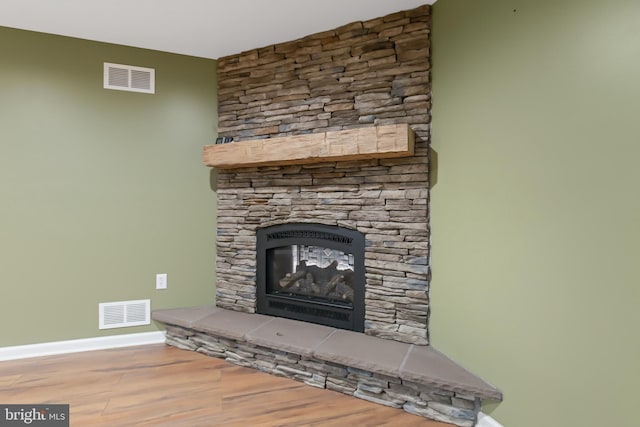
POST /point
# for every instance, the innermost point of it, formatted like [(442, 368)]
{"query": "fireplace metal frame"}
[(338, 315)]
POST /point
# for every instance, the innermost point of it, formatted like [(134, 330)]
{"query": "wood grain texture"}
[(157, 385), (355, 144)]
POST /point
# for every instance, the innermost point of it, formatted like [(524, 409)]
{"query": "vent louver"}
[(308, 234), (124, 313), (129, 78)]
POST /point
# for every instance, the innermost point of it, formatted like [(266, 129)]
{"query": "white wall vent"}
[(124, 313), (129, 78)]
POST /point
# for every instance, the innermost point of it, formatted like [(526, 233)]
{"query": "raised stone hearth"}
[(416, 378)]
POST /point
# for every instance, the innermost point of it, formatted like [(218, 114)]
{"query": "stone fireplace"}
[(323, 217), (362, 76)]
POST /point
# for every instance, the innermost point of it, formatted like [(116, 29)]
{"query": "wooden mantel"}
[(354, 144)]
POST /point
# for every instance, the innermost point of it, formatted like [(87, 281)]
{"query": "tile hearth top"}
[(288, 335), (416, 363), (364, 352)]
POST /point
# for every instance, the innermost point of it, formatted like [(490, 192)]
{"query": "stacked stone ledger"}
[(362, 74)]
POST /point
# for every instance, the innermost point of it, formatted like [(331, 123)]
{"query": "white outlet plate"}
[(161, 281)]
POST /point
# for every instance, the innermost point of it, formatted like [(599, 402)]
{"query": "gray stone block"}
[(426, 365), (231, 324), (289, 335), (361, 351)]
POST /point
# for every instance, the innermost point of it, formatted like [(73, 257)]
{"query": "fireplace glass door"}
[(312, 272)]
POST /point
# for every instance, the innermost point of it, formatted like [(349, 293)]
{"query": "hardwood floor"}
[(157, 385)]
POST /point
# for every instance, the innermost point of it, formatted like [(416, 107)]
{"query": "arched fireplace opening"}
[(311, 272)]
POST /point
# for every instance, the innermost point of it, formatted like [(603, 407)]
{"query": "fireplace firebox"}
[(311, 272)]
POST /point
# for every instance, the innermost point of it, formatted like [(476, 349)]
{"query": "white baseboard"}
[(74, 346), (485, 420)]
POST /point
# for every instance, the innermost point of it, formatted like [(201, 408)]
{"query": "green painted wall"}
[(100, 189), (536, 208)]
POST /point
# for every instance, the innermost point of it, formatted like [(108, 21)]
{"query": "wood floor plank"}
[(158, 385)]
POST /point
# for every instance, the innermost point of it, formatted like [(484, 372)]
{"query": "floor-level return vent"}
[(124, 313), (130, 78)]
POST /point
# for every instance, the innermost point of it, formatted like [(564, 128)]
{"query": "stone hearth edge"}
[(417, 378)]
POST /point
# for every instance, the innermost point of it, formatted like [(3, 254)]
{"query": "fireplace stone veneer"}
[(385, 200), (365, 74)]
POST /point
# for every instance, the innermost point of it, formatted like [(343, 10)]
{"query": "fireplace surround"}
[(383, 199), (311, 272), (316, 124)]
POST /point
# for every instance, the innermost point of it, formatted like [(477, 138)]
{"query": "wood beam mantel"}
[(354, 144)]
